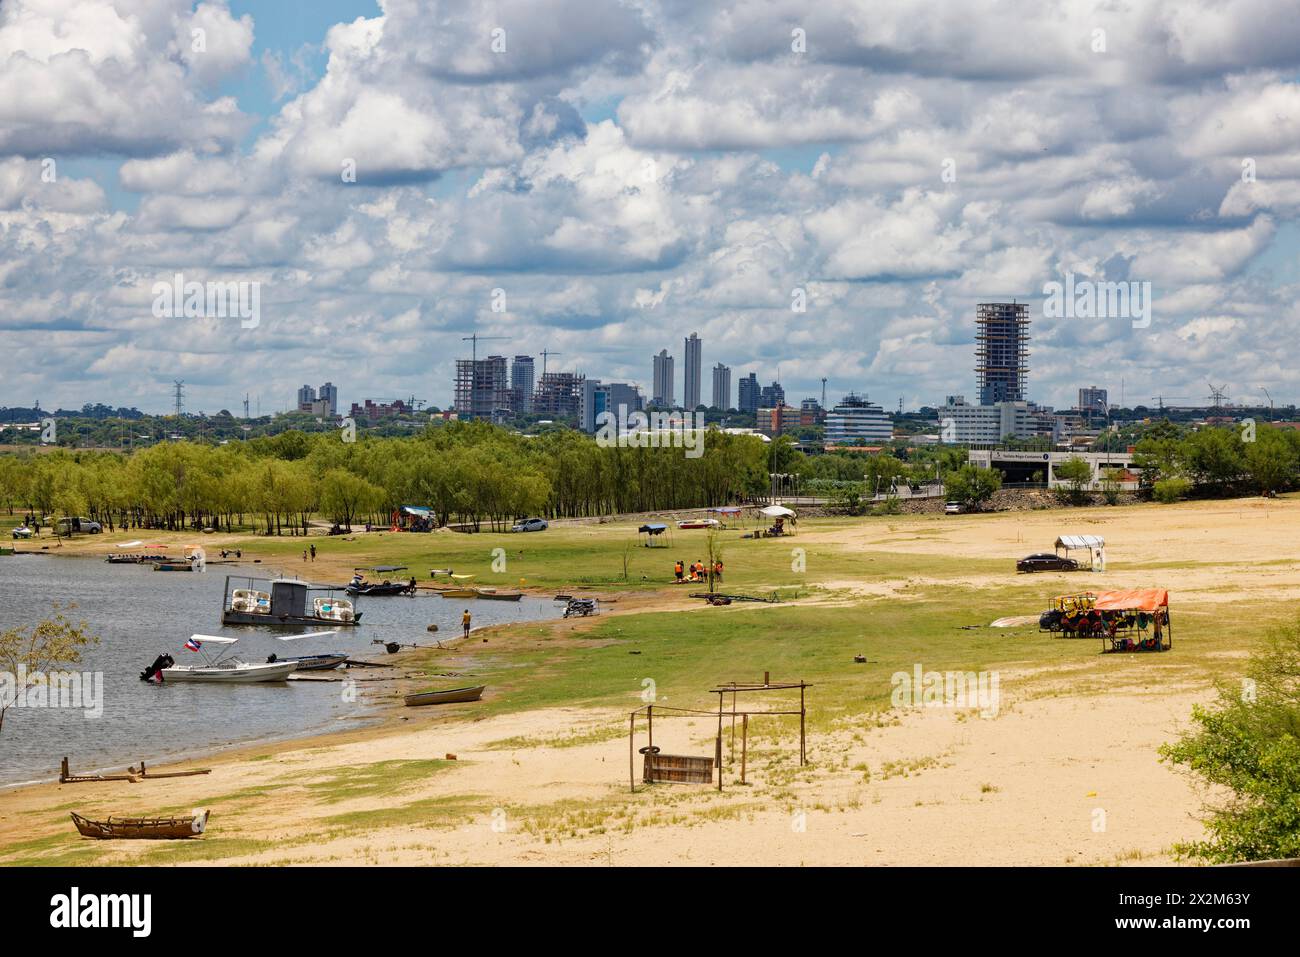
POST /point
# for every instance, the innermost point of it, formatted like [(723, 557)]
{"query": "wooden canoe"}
[(458, 593), (450, 696), (142, 828), (499, 595)]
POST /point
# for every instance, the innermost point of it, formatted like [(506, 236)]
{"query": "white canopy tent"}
[(1095, 544), (777, 511)]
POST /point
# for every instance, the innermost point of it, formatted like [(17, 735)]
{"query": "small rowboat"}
[(173, 567), (459, 593), (316, 662), (499, 595), (444, 697), (145, 828)]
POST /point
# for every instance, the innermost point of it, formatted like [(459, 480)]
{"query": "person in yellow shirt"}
[(465, 619)]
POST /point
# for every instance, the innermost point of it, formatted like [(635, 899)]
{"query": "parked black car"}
[(1046, 562)]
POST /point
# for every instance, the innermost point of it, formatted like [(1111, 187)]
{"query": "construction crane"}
[(545, 353), (474, 339), (1270, 402)]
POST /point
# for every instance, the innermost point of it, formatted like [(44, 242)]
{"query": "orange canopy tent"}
[(1135, 599)]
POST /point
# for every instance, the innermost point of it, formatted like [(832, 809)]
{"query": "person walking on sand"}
[(304, 554), (313, 552), (465, 620)]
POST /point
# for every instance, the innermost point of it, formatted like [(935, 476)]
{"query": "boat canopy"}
[(379, 568), (652, 529), (1136, 599), (1080, 541), (420, 511), (215, 639), (777, 511), (133, 544)]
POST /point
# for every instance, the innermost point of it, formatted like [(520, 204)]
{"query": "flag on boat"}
[(193, 644)]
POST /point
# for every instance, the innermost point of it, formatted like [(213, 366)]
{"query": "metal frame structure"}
[(733, 688)]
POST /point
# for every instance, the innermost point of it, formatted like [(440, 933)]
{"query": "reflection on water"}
[(139, 614)]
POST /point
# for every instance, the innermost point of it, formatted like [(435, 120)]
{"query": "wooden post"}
[(717, 748), (733, 727), (803, 751), (631, 750), (744, 745), (63, 770), (650, 724)]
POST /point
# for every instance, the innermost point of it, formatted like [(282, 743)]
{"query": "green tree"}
[(1248, 744), (971, 486)]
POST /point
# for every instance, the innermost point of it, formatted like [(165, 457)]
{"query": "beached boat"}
[(142, 828), (450, 696), (317, 662), (459, 593), (700, 523), (173, 567), (284, 601), (495, 595)]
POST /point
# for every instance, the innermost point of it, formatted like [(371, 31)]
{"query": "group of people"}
[(697, 571)]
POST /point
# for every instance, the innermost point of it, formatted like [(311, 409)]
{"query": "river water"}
[(139, 613)]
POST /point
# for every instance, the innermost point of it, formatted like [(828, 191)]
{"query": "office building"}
[(619, 398), (749, 394), (772, 396), (329, 394), (1092, 401), (856, 420), (662, 393), (306, 396), (560, 395)]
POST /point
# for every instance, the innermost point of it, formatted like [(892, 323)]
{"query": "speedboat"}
[(225, 667), (284, 601), (231, 671)]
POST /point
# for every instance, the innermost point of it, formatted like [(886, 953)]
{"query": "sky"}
[(817, 189)]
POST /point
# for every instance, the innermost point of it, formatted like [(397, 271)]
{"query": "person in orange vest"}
[(699, 571), (717, 570), (678, 569)]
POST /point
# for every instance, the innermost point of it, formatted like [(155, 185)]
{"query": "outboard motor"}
[(159, 663)]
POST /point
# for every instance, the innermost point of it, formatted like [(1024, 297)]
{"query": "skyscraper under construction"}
[(1001, 351)]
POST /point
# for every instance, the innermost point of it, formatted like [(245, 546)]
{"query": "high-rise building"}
[(481, 387), (620, 398), (772, 396), (750, 395), (1092, 401), (1001, 351), (306, 396), (329, 393), (721, 387), (693, 373), (857, 419), (521, 382), (663, 380)]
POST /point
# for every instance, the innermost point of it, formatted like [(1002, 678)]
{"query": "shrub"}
[(1169, 490)]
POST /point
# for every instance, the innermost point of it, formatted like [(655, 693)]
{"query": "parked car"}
[(952, 508), (1046, 562), (530, 525), (73, 524)]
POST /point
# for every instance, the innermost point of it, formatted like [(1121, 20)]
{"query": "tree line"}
[(466, 472)]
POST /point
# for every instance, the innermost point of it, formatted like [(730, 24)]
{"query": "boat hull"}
[(500, 595), (155, 829), (451, 696), (317, 662), (251, 618), (247, 674), (459, 593)]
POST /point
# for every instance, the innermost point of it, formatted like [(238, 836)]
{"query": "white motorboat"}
[(225, 668)]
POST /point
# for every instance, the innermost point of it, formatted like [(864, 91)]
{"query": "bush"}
[(890, 506), (1170, 490), (1248, 742)]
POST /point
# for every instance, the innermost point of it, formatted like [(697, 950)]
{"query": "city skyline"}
[(602, 186)]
